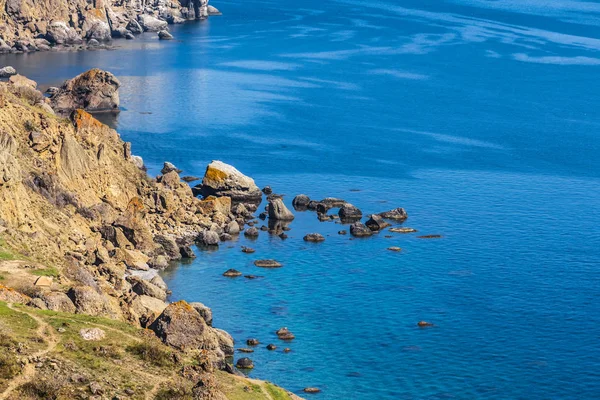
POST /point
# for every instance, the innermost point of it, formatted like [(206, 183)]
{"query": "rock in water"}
[(222, 179), (278, 211), (7, 71), (268, 264), (244, 363), (402, 230), (285, 334), (397, 214), (165, 35), (169, 167), (300, 202), (251, 232), (59, 33), (349, 212), (94, 90), (208, 238), (360, 230), (376, 223), (213, 11), (314, 237), (232, 273)]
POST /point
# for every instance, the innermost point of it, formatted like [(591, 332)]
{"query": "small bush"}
[(44, 388), (9, 365), (176, 390), (29, 94), (153, 352)]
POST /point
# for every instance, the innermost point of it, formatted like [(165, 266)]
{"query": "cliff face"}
[(31, 25)]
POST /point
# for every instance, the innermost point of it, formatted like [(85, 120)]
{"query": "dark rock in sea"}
[(264, 228), (312, 205), (285, 334), (267, 190), (397, 214), (360, 230), (323, 217), (342, 232), (251, 232), (244, 363), (252, 342), (424, 324), (429, 237), (376, 223), (187, 252), (322, 208), (262, 215), (247, 250), (271, 347), (252, 277), (232, 273), (283, 236), (349, 212), (402, 230), (246, 350), (268, 264), (287, 350), (397, 249), (388, 236), (190, 178), (165, 35), (168, 167), (278, 210), (312, 390), (314, 237), (134, 27), (208, 238), (333, 202), (300, 202), (251, 223), (225, 237)]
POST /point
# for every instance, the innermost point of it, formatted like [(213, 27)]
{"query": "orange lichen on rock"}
[(214, 174), (82, 119)]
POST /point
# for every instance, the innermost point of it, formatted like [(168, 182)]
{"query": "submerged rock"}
[(165, 35), (278, 211), (360, 230), (402, 230), (285, 334), (430, 237), (424, 324), (246, 350), (394, 248), (397, 214), (268, 264), (222, 179), (232, 273), (271, 347), (252, 342), (312, 390), (248, 250), (314, 237)]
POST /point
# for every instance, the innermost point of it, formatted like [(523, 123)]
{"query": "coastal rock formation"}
[(278, 211), (94, 90), (29, 26), (376, 223), (314, 237), (397, 214), (301, 202), (349, 212), (359, 229), (5, 72), (222, 179)]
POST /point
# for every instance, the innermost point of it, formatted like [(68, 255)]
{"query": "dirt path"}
[(43, 330)]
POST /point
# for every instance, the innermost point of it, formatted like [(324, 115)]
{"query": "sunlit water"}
[(480, 118)]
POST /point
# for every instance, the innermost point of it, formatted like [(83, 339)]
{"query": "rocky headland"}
[(34, 25)]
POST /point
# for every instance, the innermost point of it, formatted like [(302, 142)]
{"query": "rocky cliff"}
[(32, 25)]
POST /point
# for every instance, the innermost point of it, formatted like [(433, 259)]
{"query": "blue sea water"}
[(480, 118)]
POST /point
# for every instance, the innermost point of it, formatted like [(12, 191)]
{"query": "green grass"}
[(276, 393), (5, 253), (50, 271)]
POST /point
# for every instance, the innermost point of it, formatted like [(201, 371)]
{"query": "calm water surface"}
[(480, 118)]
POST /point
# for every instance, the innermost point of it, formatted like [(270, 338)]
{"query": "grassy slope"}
[(128, 362)]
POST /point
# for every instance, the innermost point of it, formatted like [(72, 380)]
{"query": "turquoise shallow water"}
[(480, 118)]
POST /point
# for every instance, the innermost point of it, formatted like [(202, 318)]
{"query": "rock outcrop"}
[(278, 211), (93, 91), (222, 179)]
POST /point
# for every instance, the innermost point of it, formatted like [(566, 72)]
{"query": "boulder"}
[(144, 287), (134, 27), (403, 230), (397, 214), (165, 35), (314, 237), (169, 167), (89, 301), (232, 273), (204, 312), (285, 334), (376, 223), (208, 238), (359, 229), (221, 179), (92, 334), (333, 202), (244, 363), (182, 327), (213, 11), (58, 32), (301, 202), (169, 246), (4, 47), (148, 308), (187, 252), (311, 390), (232, 228), (251, 232), (278, 211), (349, 212), (58, 301), (271, 347), (150, 23), (94, 90), (97, 30), (268, 264), (7, 71), (158, 281)]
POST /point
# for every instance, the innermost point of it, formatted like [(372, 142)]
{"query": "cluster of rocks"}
[(81, 24), (246, 363)]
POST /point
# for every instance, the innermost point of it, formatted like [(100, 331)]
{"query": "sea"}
[(480, 118)]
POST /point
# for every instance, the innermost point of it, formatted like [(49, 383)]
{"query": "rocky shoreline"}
[(59, 25)]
